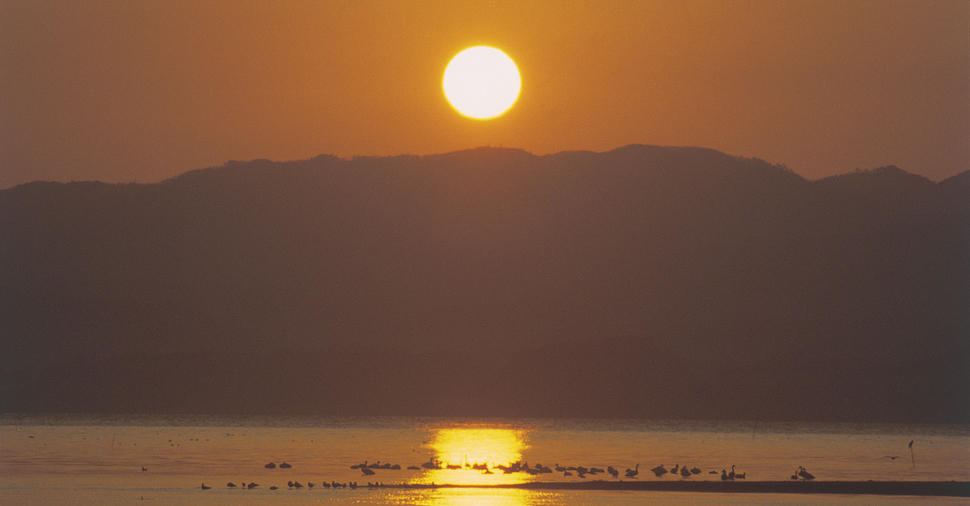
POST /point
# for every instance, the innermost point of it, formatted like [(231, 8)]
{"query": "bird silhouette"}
[(632, 473)]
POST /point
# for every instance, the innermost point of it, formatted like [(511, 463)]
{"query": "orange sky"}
[(144, 90)]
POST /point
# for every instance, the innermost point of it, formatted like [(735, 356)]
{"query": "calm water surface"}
[(98, 460)]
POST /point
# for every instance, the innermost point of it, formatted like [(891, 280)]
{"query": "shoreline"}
[(913, 488)]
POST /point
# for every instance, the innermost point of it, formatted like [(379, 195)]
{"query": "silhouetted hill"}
[(644, 281), (958, 185)]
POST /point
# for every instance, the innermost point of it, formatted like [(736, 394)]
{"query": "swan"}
[(632, 473)]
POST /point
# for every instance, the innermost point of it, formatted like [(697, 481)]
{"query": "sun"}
[(481, 82)]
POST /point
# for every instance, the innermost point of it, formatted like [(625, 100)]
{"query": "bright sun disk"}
[(481, 82)]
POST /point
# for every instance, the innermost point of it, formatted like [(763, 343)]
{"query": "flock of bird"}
[(580, 471), (433, 463), (369, 469), (293, 485)]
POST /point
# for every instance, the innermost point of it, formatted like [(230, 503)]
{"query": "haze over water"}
[(98, 460)]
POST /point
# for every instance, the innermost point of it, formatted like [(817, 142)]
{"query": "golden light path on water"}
[(472, 456), (472, 497)]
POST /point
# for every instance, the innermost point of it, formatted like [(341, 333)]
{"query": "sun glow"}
[(481, 82), (469, 456)]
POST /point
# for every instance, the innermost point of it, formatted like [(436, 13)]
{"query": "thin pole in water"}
[(911, 455)]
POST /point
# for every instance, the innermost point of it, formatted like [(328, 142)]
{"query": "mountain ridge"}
[(479, 149), (716, 266)]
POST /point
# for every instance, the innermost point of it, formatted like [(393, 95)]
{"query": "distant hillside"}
[(644, 281)]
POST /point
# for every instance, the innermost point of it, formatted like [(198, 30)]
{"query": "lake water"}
[(98, 460)]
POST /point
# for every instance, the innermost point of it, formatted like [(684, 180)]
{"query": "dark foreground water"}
[(99, 460)]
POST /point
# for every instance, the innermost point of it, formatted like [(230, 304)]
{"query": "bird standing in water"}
[(912, 456)]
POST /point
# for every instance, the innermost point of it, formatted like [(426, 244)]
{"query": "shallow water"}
[(98, 460)]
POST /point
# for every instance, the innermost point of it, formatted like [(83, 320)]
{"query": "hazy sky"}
[(144, 90)]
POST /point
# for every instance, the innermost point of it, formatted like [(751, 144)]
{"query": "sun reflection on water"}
[(470, 497), (467, 456)]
